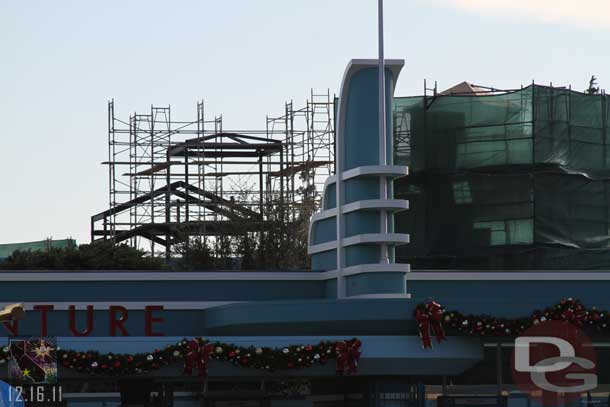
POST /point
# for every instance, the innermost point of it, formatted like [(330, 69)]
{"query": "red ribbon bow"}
[(348, 353), (197, 355), (430, 317), (576, 315)]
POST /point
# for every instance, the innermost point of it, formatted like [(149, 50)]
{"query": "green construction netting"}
[(517, 180), (534, 125), (42, 245)]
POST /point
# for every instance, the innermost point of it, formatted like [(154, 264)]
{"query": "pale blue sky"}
[(62, 60)]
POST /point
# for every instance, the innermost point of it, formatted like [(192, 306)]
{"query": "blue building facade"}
[(277, 310), (353, 235)]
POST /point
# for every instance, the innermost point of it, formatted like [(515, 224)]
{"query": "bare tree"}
[(593, 89)]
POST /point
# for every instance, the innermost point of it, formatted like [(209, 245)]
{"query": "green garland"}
[(483, 325), (263, 358)]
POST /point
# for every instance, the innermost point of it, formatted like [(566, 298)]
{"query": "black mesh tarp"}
[(518, 180)]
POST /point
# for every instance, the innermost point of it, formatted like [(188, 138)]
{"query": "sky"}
[(61, 61)]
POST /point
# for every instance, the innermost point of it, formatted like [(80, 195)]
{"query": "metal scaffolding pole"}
[(224, 177)]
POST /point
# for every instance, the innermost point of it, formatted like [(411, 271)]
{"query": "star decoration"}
[(43, 351)]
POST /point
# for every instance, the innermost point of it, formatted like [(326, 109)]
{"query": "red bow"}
[(575, 315), (430, 316), (197, 355), (348, 353)]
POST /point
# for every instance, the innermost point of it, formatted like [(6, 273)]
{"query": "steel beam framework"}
[(173, 180)]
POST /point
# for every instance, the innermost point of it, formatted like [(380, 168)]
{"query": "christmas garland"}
[(196, 353), (431, 317)]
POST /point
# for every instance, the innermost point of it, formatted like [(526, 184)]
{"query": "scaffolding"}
[(514, 179), (170, 181)]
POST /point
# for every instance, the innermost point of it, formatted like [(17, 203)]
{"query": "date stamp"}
[(28, 395)]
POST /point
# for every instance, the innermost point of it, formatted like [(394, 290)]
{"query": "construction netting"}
[(517, 180), (41, 245)]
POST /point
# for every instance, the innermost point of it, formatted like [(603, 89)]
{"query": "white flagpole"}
[(382, 132)]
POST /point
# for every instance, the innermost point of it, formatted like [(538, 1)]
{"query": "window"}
[(461, 192), (508, 232), (497, 231)]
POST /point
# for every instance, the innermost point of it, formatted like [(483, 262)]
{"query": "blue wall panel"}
[(509, 298), (159, 290), (375, 283), (362, 254), (361, 222), (324, 230), (330, 196), (297, 306), (324, 260), (361, 121), (359, 189)]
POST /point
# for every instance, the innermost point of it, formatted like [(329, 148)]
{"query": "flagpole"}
[(383, 191)]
